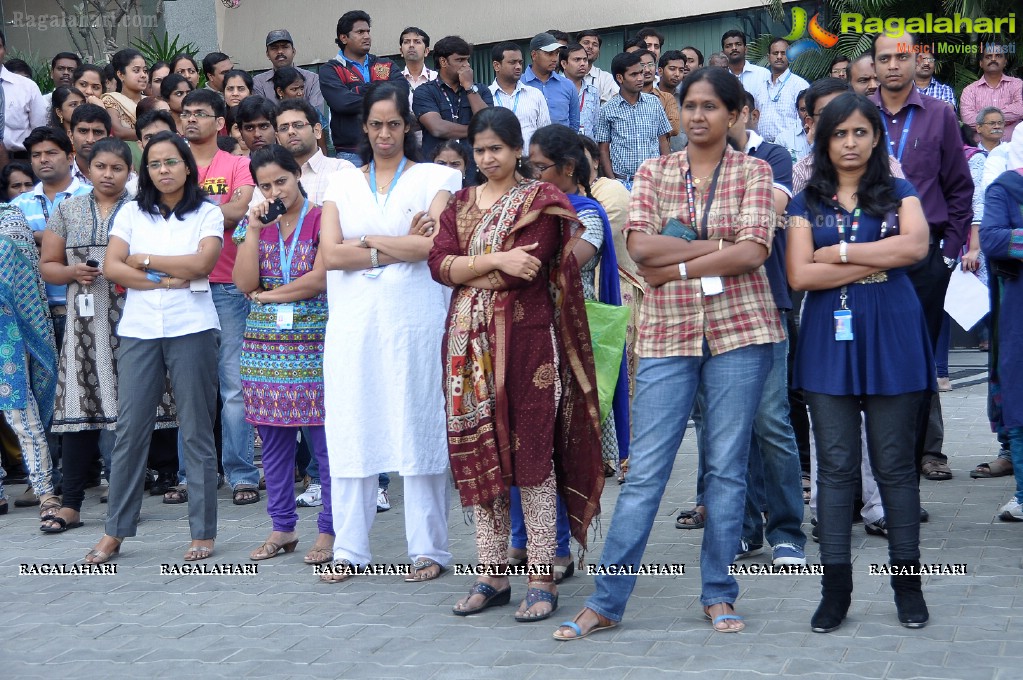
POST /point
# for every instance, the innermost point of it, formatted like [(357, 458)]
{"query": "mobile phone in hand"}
[(276, 210), (92, 263)]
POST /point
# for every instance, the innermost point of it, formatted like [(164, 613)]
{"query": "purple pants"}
[(279, 446)]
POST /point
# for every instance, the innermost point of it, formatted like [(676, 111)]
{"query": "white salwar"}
[(382, 371)]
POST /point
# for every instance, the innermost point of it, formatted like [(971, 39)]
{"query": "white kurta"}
[(382, 356)]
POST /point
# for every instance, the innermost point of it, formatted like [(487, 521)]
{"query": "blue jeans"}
[(731, 384), (1016, 447), (944, 343), (353, 158), (233, 309)]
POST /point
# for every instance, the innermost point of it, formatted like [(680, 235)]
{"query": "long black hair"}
[(121, 61), (561, 144), (876, 193), (275, 153), (505, 124), (383, 91), (149, 196), (60, 96)]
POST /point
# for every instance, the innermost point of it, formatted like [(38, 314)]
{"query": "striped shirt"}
[(632, 131), (529, 106), (677, 318), (1007, 97), (939, 90)]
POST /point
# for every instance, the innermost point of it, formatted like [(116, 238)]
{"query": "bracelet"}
[(374, 258), (682, 270), (842, 253), (472, 265), (721, 243), (362, 241), (255, 298)]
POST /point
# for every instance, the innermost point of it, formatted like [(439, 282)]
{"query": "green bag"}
[(608, 324)]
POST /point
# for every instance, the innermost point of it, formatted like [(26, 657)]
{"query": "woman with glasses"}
[(162, 247)]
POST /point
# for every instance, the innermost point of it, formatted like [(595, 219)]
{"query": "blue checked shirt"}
[(632, 131), (36, 207), (940, 91)]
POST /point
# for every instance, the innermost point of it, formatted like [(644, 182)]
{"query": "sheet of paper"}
[(967, 300)]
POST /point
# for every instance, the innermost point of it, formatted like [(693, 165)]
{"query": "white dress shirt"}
[(603, 81), (24, 108), (529, 106), (776, 100), (751, 74), (161, 313)]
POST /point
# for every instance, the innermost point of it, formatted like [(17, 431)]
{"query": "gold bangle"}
[(472, 265), (721, 243)]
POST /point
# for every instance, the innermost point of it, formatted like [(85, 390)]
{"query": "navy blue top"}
[(781, 167), (890, 352)]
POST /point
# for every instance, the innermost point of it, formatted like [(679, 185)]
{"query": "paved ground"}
[(282, 623)]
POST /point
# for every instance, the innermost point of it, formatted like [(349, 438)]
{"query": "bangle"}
[(721, 243), (842, 252), (374, 258), (255, 298), (682, 270), (472, 265)]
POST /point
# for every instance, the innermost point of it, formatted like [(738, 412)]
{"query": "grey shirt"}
[(262, 84)]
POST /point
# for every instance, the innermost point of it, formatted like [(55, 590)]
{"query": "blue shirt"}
[(632, 131), (589, 109), (37, 208), (561, 95)]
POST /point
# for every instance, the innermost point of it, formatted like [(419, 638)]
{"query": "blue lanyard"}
[(390, 189), (287, 256), (778, 94), (515, 102), (905, 134)]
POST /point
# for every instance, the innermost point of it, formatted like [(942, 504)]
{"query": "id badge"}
[(86, 305), (372, 273), (843, 324), (712, 285), (285, 317)]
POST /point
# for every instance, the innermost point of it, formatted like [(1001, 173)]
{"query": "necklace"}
[(701, 180)]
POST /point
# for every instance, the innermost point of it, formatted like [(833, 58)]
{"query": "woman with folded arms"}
[(162, 247)]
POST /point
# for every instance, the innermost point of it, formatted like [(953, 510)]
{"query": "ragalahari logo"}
[(819, 36)]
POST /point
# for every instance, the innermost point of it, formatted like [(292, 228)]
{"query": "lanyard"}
[(582, 100), (42, 204), (855, 223), (782, 87), (902, 139), (691, 198), (390, 189), (514, 106), (287, 256), (458, 101)]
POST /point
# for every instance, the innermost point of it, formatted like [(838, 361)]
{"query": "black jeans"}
[(890, 436)]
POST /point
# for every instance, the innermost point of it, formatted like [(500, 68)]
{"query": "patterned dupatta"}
[(478, 367), (23, 293)]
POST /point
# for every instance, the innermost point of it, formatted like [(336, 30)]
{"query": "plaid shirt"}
[(676, 318), (1007, 98), (939, 91), (632, 131)]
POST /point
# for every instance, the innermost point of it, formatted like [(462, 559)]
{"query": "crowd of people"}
[(371, 269)]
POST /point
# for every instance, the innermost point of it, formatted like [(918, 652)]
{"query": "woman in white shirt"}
[(162, 246)]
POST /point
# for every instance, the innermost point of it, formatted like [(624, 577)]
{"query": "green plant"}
[(40, 68), (166, 49)]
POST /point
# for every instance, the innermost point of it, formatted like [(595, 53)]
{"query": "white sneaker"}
[(383, 502), (1010, 512), (310, 498)]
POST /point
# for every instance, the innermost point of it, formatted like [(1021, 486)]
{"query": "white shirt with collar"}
[(776, 100), (24, 108), (603, 81), (529, 106), (426, 76), (751, 74)]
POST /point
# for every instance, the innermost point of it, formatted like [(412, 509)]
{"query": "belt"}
[(878, 277), (58, 310)]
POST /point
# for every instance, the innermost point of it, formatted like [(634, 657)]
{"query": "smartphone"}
[(92, 263), (276, 210), (675, 228)]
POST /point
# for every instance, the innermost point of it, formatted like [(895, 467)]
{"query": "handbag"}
[(607, 324)]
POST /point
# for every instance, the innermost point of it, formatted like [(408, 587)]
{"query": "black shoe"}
[(924, 515), (878, 528), (163, 483), (836, 596), (815, 535), (909, 598)]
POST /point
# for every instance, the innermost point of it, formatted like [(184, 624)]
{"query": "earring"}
[(731, 124)]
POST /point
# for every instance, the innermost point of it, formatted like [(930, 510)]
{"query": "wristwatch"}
[(145, 262), (949, 262), (475, 89), (682, 270)]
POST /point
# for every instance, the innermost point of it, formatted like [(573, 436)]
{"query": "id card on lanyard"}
[(286, 312), (711, 285), (902, 137)]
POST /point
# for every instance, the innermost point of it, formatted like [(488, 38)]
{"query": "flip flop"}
[(727, 617), (423, 564), (996, 468), (64, 525), (699, 519), (579, 634), (536, 596)]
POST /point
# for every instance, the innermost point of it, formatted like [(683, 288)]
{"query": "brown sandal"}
[(95, 556), (270, 549), (319, 555)]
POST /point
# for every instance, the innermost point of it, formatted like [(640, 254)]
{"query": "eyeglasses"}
[(297, 127), (648, 66), (994, 123), (252, 127), (171, 163), (199, 115), (835, 72), (543, 168), (926, 60)]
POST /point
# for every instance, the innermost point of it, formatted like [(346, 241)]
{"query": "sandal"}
[(95, 556), (561, 572), (177, 495), (494, 598), (318, 555), (999, 467), (535, 596), (198, 552), (246, 494), (623, 469), (270, 549), (574, 626), (423, 564), (338, 571), (48, 507), (62, 525), (697, 519), (517, 560), (724, 617), (936, 471), (806, 488)]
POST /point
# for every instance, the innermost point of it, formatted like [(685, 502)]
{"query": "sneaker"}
[(786, 554), (310, 498), (383, 502), (944, 385), (1011, 511), (878, 528), (746, 549)]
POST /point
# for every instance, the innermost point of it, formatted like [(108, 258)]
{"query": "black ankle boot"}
[(836, 592), (909, 598)]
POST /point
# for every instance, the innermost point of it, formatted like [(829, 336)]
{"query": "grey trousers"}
[(191, 361)]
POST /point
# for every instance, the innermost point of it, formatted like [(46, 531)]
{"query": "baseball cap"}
[(278, 35), (545, 42)]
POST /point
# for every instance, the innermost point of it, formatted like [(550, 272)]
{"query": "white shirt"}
[(24, 108), (776, 100), (161, 313), (751, 73), (529, 106), (603, 81)]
